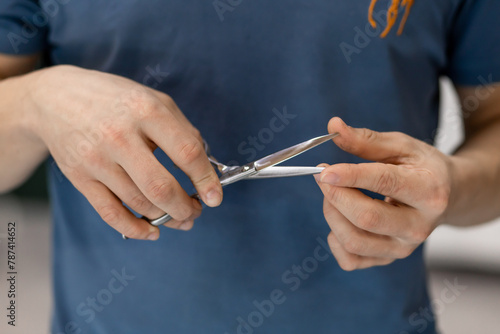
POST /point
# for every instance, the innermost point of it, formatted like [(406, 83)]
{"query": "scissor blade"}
[(286, 171), (291, 152)]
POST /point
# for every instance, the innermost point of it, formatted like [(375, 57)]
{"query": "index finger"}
[(179, 142)]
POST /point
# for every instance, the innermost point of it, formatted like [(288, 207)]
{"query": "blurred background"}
[(469, 257)]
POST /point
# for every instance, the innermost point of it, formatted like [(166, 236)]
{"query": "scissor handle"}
[(155, 222), (161, 220)]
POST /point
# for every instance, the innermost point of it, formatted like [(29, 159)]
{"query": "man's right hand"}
[(102, 129)]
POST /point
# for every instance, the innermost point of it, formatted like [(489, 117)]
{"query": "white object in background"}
[(472, 248)]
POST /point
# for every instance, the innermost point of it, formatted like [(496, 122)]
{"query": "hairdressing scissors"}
[(259, 169)]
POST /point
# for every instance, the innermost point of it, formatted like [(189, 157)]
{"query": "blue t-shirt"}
[(255, 77)]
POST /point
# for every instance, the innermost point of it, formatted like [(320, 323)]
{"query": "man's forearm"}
[(20, 150), (476, 164)]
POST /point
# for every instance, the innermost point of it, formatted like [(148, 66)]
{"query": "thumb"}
[(388, 147)]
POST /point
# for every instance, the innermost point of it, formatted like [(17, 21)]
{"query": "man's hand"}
[(102, 130), (415, 178)]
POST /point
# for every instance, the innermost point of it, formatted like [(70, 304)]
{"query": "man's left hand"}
[(414, 177)]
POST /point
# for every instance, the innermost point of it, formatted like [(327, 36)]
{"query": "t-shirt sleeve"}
[(23, 27), (474, 44)]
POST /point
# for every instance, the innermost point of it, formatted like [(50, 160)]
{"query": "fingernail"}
[(186, 226), (213, 198), (330, 178), (317, 177), (153, 236)]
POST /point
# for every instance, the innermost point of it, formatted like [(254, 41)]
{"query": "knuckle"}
[(168, 101), (408, 142), (160, 190), (184, 213), (140, 203), (403, 252), (148, 111), (347, 265), (383, 262), (93, 158), (369, 135), (162, 103), (369, 219), (352, 173), (140, 104), (419, 235), (387, 183), (135, 98), (327, 210), (110, 214), (353, 244), (345, 145), (209, 178), (185, 226), (77, 175), (190, 152), (196, 214), (132, 231), (331, 240), (439, 199), (388, 262), (115, 134), (334, 194)]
